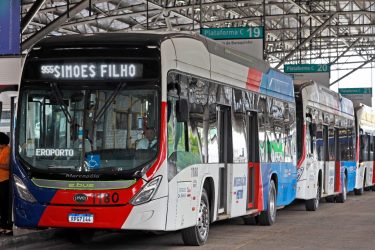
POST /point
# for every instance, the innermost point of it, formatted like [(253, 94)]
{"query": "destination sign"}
[(91, 71)]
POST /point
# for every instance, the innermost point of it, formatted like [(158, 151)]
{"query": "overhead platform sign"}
[(302, 73), (246, 39), (357, 95), (10, 20)]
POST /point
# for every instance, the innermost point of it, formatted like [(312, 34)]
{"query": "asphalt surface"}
[(334, 226)]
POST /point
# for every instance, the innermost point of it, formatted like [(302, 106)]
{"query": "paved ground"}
[(334, 226)]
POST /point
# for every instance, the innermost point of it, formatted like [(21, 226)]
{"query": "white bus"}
[(326, 145), (365, 149), (224, 123)]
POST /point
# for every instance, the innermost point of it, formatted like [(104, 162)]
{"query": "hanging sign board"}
[(358, 95), (302, 73), (246, 39)]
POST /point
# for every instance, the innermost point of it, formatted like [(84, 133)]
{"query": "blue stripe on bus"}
[(277, 84), (28, 214), (286, 182), (350, 167)]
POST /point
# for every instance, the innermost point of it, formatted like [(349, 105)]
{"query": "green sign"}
[(306, 68), (233, 33), (355, 91)]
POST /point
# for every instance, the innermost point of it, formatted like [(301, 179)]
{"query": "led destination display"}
[(91, 71)]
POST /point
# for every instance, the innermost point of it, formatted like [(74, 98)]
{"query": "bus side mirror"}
[(182, 110)]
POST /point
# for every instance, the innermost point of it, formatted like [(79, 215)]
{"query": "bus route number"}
[(106, 198)]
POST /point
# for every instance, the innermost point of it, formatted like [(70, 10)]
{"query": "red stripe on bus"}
[(250, 188), (303, 155), (337, 176), (254, 78), (258, 187), (163, 140), (103, 217)]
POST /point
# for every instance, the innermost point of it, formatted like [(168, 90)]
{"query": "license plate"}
[(81, 218)]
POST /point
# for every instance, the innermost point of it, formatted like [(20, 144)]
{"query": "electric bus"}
[(224, 124), (326, 145), (365, 149)]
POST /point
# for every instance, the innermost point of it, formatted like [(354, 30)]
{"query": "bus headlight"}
[(147, 192), (22, 190)]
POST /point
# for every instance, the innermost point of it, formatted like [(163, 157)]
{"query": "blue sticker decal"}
[(239, 194), (93, 161)]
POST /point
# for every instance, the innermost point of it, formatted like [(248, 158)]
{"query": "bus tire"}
[(331, 199), (198, 234), (268, 217), (373, 188), (341, 198), (313, 204), (250, 220)]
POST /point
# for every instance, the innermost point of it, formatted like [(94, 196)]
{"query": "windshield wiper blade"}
[(60, 100), (60, 167), (108, 102)]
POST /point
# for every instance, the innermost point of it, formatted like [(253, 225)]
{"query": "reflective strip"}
[(83, 185)]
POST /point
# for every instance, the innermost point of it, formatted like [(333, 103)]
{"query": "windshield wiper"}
[(108, 102), (60, 167), (60, 100)]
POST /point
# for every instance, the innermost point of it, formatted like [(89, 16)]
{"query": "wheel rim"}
[(272, 204), (203, 220)]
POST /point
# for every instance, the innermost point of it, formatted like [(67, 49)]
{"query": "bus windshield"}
[(106, 129)]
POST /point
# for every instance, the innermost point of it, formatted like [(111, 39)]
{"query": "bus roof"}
[(325, 98), (366, 117), (272, 82)]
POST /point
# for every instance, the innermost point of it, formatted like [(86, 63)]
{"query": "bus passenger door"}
[(225, 156), (337, 162), (253, 184), (329, 159)]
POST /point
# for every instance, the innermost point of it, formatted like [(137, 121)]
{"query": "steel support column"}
[(348, 48), (31, 13)]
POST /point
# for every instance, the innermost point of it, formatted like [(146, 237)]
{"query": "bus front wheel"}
[(198, 234)]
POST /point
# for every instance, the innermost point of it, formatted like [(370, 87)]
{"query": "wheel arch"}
[(274, 178), (209, 186), (320, 177), (364, 177)]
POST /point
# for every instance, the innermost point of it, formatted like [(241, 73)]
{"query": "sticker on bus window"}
[(93, 161), (57, 152)]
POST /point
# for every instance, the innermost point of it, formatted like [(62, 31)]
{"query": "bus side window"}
[(309, 148), (319, 143), (262, 123)]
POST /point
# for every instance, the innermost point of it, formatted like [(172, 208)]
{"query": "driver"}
[(149, 141)]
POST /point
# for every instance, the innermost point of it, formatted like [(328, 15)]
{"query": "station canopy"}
[(336, 32)]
